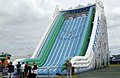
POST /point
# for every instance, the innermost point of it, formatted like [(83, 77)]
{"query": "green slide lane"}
[(40, 61), (51, 42), (87, 34), (52, 32)]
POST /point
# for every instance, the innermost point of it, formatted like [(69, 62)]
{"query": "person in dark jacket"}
[(29, 72), (1, 69), (34, 70), (10, 70), (18, 66)]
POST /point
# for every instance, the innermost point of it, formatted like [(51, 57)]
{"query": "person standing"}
[(10, 70), (26, 69), (29, 72), (1, 69), (34, 70), (22, 70), (69, 68), (18, 66)]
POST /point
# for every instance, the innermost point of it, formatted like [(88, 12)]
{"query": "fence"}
[(56, 67), (113, 71)]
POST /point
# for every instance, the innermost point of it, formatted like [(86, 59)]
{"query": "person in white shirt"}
[(22, 70)]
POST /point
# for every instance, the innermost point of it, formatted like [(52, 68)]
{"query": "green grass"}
[(113, 71)]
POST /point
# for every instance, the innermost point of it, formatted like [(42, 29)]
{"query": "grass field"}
[(113, 71)]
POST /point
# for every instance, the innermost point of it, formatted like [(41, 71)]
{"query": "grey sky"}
[(23, 22)]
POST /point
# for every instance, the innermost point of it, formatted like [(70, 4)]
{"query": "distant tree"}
[(116, 56)]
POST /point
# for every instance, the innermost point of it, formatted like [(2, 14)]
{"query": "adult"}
[(34, 70), (18, 66), (1, 69), (22, 70), (29, 72), (26, 69), (10, 70), (69, 68)]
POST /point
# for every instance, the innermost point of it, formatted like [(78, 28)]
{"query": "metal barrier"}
[(78, 70), (48, 69), (106, 72), (55, 67), (49, 76)]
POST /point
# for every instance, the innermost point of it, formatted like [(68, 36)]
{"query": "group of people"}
[(27, 71), (23, 70)]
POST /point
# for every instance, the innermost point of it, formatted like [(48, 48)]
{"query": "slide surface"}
[(69, 42), (43, 54), (65, 40)]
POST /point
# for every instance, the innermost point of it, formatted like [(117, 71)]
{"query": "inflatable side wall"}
[(97, 54)]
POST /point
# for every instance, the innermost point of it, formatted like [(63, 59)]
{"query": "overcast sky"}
[(23, 23)]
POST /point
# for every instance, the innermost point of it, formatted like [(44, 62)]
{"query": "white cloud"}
[(20, 11), (116, 11), (113, 17), (27, 20), (19, 37), (23, 23)]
